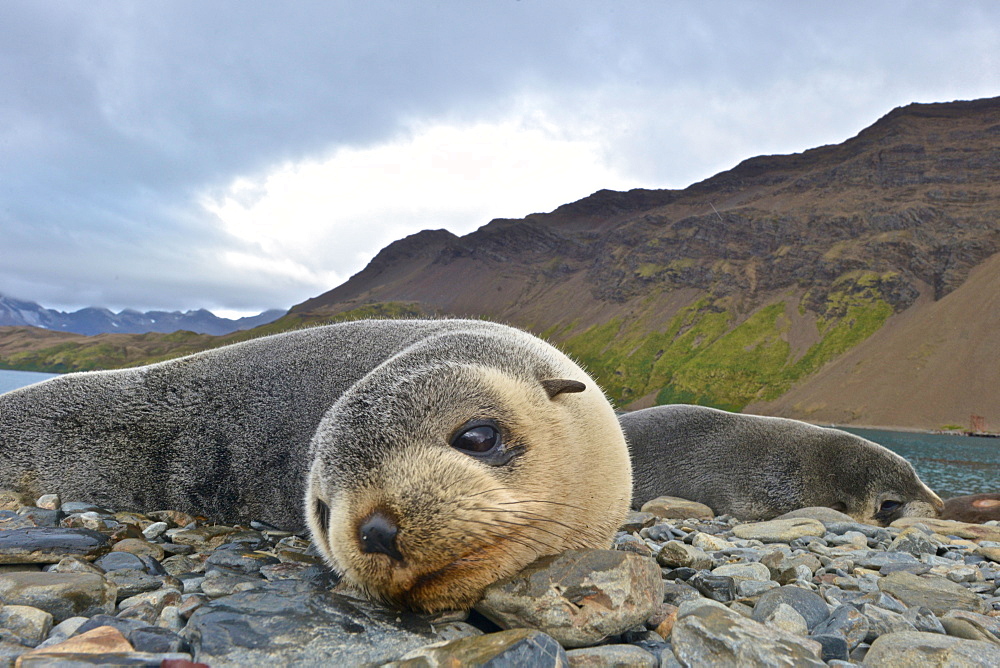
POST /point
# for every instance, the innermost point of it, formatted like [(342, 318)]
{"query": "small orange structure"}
[(977, 424)]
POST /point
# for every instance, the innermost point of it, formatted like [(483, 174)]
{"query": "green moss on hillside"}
[(705, 356)]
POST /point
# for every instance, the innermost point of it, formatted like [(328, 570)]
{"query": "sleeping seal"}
[(434, 457), (757, 468)]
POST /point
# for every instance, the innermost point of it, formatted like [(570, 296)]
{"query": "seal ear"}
[(556, 386)]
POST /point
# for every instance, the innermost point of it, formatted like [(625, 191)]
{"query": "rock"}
[(673, 507), (612, 655), (675, 554), (156, 640), (49, 502), (238, 561), (289, 622), (516, 647), (155, 530), (778, 563), (63, 630), (114, 561), (579, 597), (101, 640), (924, 620), (637, 521), (709, 634), (675, 593), (122, 625), (834, 647), (913, 649), (779, 531), (140, 548), (715, 587), (819, 513), (952, 528), (218, 584), (913, 541), (810, 605), (847, 622), (709, 543), (963, 624), (882, 622), (29, 624), (46, 545), (132, 582), (63, 595), (174, 518), (204, 538), (936, 593), (158, 599), (786, 618), (751, 571)]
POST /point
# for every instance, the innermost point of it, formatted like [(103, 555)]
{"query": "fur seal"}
[(756, 468), (434, 456), (975, 508)]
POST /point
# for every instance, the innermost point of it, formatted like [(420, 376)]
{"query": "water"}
[(11, 380), (950, 465)]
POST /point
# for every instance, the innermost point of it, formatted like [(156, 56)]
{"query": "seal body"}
[(975, 508), (757, 468), (434, 457)]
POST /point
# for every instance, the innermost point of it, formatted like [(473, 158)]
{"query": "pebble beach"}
[(82, 585)]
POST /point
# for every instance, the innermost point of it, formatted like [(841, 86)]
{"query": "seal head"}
[(452, 476)]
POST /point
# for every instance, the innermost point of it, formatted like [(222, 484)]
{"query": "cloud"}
[(242, 156)]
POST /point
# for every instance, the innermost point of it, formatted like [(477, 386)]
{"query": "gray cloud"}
[(117, 118)]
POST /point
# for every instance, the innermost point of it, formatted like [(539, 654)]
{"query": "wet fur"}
[(757, 468)]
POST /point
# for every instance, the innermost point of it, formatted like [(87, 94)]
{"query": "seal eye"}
[(889, 507), (477, 440)]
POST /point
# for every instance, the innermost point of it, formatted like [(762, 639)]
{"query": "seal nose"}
[(378, 534)]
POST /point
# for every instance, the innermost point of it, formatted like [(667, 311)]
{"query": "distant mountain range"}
[(857, 283), (90, 321)]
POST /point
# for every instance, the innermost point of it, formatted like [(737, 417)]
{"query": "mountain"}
[(752, 285), (90, 321), (854, 283)]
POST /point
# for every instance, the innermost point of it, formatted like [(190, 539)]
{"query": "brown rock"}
[(937, 593), (579, 597), (675, 507), (952, 528), (140, 548)]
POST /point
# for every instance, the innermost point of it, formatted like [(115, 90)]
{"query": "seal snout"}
[(377, 534)]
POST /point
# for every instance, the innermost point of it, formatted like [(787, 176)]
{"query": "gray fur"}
[(227, 432), (755, 467)]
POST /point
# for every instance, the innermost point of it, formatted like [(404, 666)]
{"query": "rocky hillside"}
[(749, 288), (738, 289), (90, 321)]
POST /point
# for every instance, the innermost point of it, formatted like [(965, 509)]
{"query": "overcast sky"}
[(244, 155)]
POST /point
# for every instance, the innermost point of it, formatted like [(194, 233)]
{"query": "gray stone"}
[(786, 618), (46, 545), (810, 605), (63, 630), (131, 582), (156, 640), (913, 541), (63, 595), (751, 571), (291, 622), (913, 649), (779, 531), (882, 622), (217, 584), (924, 620), (709, 634), (675, 554), (875, 560), (30, 625), (715, 587), (676, 593), (114, 561), (936, 593), (516, 647), (239, 561), (846, 621), (579, 597), (607, 656), (834, 647)]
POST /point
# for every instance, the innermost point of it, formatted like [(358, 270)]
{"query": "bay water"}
[(950, 465)]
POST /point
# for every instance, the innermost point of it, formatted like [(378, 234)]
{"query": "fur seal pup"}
[(434, 457), (975, 508), (757, 468)]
